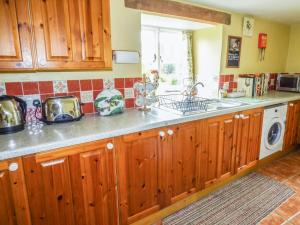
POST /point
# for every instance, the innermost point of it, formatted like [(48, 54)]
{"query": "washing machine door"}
[(274, 135)]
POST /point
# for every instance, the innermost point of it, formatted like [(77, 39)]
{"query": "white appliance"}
[(273, 130)]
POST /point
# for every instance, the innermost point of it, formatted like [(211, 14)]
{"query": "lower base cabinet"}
[(249, 139), (218, 147), (14, 209), (75, 185), (122, 180), (292, 127), (156, 168), (138, 174)]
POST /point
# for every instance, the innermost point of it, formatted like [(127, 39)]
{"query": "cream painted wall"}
[(293, 60), (276, 52), (125, 29), (207, 49)]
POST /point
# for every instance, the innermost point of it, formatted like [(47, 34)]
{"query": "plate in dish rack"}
[(109, 102)]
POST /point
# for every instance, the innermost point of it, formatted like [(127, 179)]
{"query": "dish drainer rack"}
[(184, 104)]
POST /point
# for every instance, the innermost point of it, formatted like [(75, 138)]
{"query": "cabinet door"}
[(184, 159), (15, 38), (217, 148), (95, 33), (49, 190), (14, 208), (292, 125), (72, 34), (53, 32), (138, 166), (93, 178), (249, 139)]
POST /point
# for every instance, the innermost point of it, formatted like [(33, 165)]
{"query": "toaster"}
[(60, 109)]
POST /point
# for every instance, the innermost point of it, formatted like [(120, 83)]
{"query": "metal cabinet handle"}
[(237, 116), (110, 146), (13, 167), (162, 134), (242, 116), (170, 132)]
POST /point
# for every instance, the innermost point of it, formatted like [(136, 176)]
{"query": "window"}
[(165, 50)]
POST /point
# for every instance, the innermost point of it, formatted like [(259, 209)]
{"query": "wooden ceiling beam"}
[(178, 9)]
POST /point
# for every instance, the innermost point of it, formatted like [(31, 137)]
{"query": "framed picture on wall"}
[(234, 51)]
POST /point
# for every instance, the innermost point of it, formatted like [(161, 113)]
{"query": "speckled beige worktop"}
[(38, 138)]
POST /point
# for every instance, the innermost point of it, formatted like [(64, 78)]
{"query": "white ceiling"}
[(285, 11), (172, 23)]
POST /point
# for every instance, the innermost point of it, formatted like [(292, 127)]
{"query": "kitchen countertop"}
[(38, 137)]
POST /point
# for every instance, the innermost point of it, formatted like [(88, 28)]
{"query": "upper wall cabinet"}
[(15, 36), (67, 34)]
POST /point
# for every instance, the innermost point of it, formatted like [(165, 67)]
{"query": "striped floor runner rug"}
[(243, 202)]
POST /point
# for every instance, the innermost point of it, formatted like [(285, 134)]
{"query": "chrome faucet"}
[(192, 90)]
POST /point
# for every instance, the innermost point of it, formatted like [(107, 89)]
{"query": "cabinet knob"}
[(291, 104), (170, 132), (162, 134), (13, 167), (110, 146)]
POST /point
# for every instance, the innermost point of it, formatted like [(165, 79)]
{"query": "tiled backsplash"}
[(85, 90)]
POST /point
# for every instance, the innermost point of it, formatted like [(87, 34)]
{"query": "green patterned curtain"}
[(187, 36)]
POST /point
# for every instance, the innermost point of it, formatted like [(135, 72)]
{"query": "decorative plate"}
[(109, 102)]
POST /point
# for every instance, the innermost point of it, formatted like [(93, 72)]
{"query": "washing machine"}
[(273, 130)]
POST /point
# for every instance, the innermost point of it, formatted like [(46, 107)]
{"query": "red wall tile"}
[(97, 84), (129, 103), (96, 93), (137, 79), (46, 87), (119, 83), (30, 88), (86, 85), (88, 107), (73, 85), (14, 88), (129, 82)]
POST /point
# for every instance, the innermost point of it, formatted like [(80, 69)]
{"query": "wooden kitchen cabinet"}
[(55, 35), (75, 185), (218, 147), (248, 139), (72, 34), (184, 161), (14, 209), (292, 131), (157, 168), (16, 36), (138, 174)]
